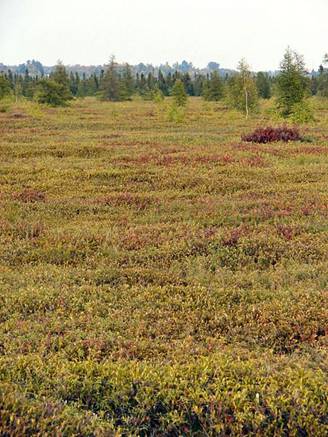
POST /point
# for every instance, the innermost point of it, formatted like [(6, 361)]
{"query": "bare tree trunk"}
[(246, 102)]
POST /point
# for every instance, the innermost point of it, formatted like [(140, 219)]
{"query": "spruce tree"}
[(28, 90), (61, 77), (142, 88), (323, 79), (126, 88), (213, 89), (162, 85), (188, 85), (110, 85), (291, 83), (50, 92), (73, 83), (82, 90), (198, 84), (179, 94), (323, 85), (5, 88), (263, 85)]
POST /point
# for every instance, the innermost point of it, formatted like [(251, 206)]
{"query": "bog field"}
[(158, 275)]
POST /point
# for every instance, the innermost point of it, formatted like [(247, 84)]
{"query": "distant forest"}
[(241, 88), (36, 68)]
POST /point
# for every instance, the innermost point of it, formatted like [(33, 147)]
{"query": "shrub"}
[(52, 93), (301, 113), (5, 89), (157, 96), (179, 94), (271, 134), (176, 114), (6, 104)]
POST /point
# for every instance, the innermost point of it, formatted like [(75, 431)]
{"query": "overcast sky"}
[(152, 31)]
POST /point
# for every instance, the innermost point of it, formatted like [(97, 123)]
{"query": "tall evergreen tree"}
[(28, 90), (142, 86), (60, 74), (323, 79), (126, 84), (73, 83), (213, 89), (188, 85), (50, 92), (55, 91), (199, 83), (314, 83), (263, 85), (61, 77), (5, 88), (291, 83), (162, 85), (110, 85)]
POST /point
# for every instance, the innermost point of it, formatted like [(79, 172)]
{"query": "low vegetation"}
[(161, 278), (272, 134)]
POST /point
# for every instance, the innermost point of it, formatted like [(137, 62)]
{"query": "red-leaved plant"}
[(271, 134)]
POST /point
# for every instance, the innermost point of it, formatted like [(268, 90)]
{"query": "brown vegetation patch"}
[(287, 232), (140, 202), (313, 150), (18, 115), (232, 237), (30, 195), (255, 161), (272, 134)]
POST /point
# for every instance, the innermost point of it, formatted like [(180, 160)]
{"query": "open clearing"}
[(161, 278)]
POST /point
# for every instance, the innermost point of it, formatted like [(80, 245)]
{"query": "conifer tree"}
[(5, 88), (179, 93), (142, 87), (110, 85), (263, 85), (188, 85), (323, 79), (199, 83), (73, 83), (50, 92), (291, 83), (54, 91), (10, 78), (162, 85), (213, 88), (126, 84), (28, 90), (83, 86), (61, 77)]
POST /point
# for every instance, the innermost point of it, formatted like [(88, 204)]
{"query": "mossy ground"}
[(161, 278)]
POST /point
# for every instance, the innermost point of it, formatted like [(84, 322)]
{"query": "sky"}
[(150, 31)]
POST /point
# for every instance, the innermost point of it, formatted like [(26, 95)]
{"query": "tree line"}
[(242, 89)]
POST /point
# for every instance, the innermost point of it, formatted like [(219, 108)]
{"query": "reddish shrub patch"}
[(271, 134), (127, 199), (231, 240), (255, 161), (286, 232), (30, 195), (210, 232)]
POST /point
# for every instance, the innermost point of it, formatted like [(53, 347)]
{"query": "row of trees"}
[(291, 87), (116, 83)]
